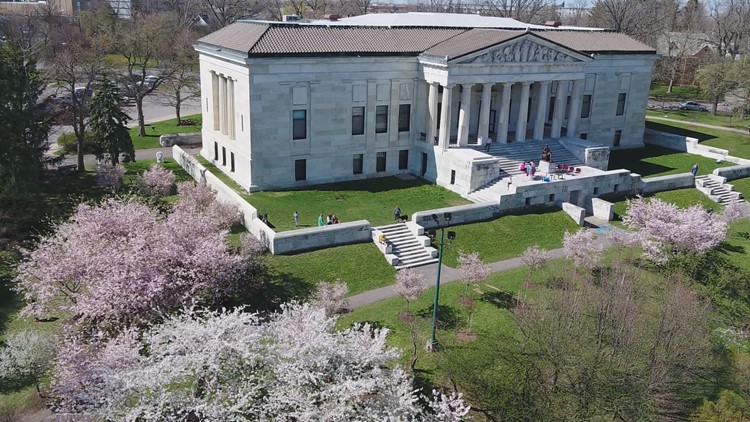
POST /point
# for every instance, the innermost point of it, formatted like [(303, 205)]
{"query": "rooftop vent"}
[(290, 18), (332, 17), (554, 24)]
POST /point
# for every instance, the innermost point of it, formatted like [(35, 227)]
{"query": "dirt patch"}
[(407, 317), (466, 336)]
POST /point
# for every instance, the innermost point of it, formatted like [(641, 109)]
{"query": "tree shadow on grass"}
[(633, 160), (380, 184), (268, 289), (500, 299), (447, 316)]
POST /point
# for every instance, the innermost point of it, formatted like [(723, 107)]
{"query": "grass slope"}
[(738, 144), (725, 120), (657, 161)]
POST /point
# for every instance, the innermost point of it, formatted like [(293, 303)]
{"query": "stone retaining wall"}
[(733, 172), (180, 139), (282, 242), (671, 182), (689, 145)]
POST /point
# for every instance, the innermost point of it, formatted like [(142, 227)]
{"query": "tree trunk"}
[(141, 119), (671, 83), (714, 105), (80, 130), (413, 363), (177, 105)]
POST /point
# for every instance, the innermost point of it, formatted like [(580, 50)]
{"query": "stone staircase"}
[(716, 188), (511, 156), (402, 248)]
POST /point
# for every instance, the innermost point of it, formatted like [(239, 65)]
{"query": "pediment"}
[(523, 50)]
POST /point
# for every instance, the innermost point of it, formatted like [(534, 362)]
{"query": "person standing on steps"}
[(694, 170), (487, 144)]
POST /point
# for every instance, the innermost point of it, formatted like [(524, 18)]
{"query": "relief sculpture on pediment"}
[(522, 52)]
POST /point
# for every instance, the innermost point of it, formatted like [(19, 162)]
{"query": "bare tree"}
[(532, 11), (731, 25), (716, 76), (641, 19), (183, 82)]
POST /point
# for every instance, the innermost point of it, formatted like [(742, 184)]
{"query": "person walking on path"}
[(694, 170), (296, 219), (397, 214), (321, 222)]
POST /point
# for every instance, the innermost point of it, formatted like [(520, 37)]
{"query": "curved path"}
[(707, 126)]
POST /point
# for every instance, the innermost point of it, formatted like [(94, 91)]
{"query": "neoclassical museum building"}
[(290, 104)]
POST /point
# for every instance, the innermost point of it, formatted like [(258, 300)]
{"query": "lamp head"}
[(434, 217), (447, 216), (451, 235)]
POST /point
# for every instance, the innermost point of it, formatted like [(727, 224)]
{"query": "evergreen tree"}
[(109, 124), (24, 126)]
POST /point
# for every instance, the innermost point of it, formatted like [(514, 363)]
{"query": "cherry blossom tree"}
[(156, 181), (472, 271), (232, 365), (122, 262), (410, 284), (27, 356), (582, 248), (534, 259), (735, 211), (667, 230), (199, 199), (331, 297), (109, 176)]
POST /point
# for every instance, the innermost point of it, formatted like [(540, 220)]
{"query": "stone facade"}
[(284, 121)]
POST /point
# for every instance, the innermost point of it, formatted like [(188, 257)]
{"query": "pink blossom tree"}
[(109, 176), (735, 211), (410, 284), (534, 258), (239, 366), (667, 230), (199, 199), (123, 262), (582, 248), (156, 181), (331, 297), (472, 271)]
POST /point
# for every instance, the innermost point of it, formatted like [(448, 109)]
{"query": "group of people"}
[(528, 168), (328, 220)]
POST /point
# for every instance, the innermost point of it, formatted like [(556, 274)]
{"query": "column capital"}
[(543, 83), (487, 84), (434, 83), (467, 86), (508, 84), (526, 83), (448, 86)]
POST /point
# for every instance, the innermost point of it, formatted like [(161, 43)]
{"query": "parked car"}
[(692, 106)]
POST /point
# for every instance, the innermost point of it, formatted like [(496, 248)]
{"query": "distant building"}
[(288, 104), (684, 50)]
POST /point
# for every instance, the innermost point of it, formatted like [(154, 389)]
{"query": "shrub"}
[(69, 143)]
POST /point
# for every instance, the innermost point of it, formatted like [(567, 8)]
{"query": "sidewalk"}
[(707, 126), (449, 275)]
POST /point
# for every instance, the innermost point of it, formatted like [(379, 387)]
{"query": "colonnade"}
[(502, 106)]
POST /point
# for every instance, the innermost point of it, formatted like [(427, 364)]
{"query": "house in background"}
[(289, 104), (681, 54)]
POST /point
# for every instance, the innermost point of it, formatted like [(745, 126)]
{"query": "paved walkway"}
[(449, 275), (727, 129), (140, 154)]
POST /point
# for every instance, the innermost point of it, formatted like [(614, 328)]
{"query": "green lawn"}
[(657, 161), (362, 267), (738, 144), (509, 236), (725, 120), (136, 168), (678, 92), (371, 199), (742, 185), (498, 293), (165, 127)]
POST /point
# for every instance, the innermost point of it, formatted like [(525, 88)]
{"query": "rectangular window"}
[(584, 135), (551, 197), (586, 109), (403, 159), (242, 122), (358, 120), (618, 135), (231, 162), (551, 108), (453, 177), (299, 124), (404, 117), (300, 170), (216, 151), (380, 162), (223, 156), (381, 119), (596, 191), (357, 164), (621, 104), (567, 107)]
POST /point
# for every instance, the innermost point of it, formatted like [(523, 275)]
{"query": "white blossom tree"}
[(237, 366), (581, 247), (27, 357), (472, 271)]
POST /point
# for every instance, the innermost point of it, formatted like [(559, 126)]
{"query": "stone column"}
[(230, 108), (503, 115), (445, 117), (541, 109), (432, 106), (575, 108), (558, 114), (523, 112), (222, 104), (464, 114), (484, 115)]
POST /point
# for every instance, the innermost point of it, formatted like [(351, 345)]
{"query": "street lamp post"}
[(432, 343)]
